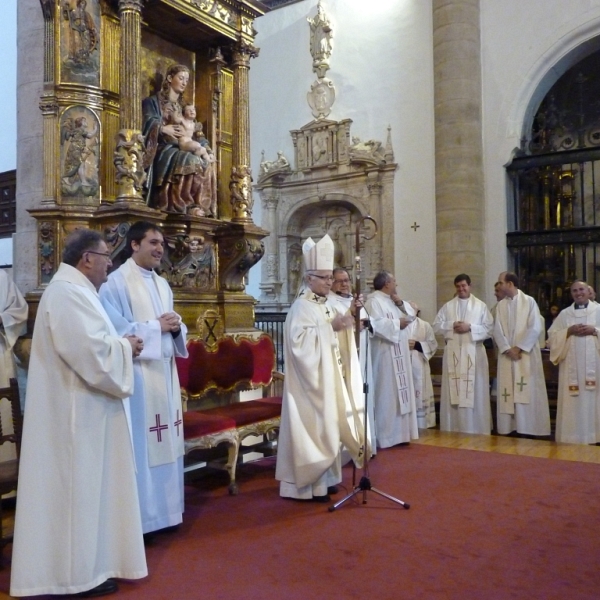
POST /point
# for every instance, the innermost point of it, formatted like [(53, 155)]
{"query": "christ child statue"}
[(192, 130)]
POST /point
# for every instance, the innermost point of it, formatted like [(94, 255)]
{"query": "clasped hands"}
[(461, 327), (170, 322), (514, 353), (137, 344), (581, 330)]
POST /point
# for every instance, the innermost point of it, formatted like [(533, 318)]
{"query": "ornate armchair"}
[(230, 365), (10, 433)]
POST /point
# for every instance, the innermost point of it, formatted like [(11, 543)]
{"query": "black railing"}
[(272, 323)]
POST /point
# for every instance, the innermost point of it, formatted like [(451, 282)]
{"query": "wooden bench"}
[(228, 367)]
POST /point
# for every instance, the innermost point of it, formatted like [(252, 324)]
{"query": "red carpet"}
[(481, 526)]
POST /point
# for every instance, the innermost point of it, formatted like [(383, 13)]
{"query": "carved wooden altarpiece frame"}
[(101, 58)]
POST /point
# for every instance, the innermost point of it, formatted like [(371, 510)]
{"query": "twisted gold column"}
[(241, 176), (130, 144)]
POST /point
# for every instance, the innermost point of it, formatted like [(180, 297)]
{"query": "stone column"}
[(35, 31), (271, 268), (458, 145), (130, 144), (241, 176)]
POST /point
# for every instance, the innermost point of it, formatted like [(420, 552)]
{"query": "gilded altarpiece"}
[(109, 160)]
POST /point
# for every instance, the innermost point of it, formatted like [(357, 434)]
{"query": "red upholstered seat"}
[(273, 400), (244, 413), (233, 365), (198, 423)]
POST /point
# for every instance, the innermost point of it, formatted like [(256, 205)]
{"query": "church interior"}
[(466, 131)]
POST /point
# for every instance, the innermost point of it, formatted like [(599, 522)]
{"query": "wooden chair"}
[(10, 432)]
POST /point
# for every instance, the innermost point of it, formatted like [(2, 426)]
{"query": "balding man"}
[(575, 348), (394, 393), (522, 399)]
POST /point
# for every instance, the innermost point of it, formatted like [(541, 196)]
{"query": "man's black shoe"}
[(321, 498), (333, 489), (108, 587)]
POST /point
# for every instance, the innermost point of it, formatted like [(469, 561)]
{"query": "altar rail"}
[(272, 323)]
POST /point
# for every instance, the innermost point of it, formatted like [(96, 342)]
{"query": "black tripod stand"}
[(364, 484)]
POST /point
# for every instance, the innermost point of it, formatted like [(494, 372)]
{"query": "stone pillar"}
[(458, 145), (35, 29), (241, 176), (271, 267), (130, 144)]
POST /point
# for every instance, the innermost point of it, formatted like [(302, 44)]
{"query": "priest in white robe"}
[(422, 345), (140, 302), (77, 522), (465, 322), (522, 404), (13, 324), (341, 297), (394, 394), (575, 347), (322, 396)]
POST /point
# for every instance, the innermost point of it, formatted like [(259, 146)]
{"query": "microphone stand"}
[(364, 484)]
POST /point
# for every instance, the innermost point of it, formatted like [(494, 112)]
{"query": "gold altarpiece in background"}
[(102, 58)]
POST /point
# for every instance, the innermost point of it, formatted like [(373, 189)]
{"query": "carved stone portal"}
[(336, 180)]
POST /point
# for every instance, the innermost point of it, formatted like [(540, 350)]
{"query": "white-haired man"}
[(575, 347), (322, 395)]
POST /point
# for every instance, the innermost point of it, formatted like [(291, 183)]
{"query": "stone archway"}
[(337, 218), (324, 195)]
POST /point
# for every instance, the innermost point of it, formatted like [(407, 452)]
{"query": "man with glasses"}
[(322, 394), (139, 301), (77, 523)]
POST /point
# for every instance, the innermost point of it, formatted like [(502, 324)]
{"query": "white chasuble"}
[(394, 396), (13, 312), (422, 332), (465, 395), (562, 347), (461, 348), (522, 398), (513, 376), (77, 520), (150, 297), (322, 399), (578, 360), (134, 298)]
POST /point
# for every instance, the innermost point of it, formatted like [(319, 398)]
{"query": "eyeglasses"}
[(105, 254), (323, 277)]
